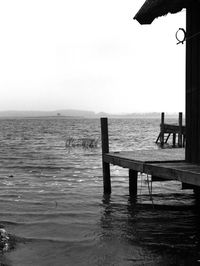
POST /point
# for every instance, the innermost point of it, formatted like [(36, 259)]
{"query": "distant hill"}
[(70, 113), (57, 113)]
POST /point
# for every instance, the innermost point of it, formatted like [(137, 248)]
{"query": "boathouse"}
[(176, 164), (146, 15)]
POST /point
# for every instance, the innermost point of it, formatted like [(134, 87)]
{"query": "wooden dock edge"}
[(170, 169)]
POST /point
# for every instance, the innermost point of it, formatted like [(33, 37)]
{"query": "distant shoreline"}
[(78, 114), (41, 117), (82, 117)]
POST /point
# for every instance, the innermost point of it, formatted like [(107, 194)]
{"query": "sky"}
[(89, 55)]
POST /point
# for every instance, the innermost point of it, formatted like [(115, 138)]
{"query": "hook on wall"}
[(184, 35)]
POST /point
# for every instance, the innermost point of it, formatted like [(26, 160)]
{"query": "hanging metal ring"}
[(184, 38)]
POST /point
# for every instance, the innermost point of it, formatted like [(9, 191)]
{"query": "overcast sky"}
[(91, 54)]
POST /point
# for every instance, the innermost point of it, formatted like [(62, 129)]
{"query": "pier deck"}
[(166, 164), (138, 159), (161, 164)]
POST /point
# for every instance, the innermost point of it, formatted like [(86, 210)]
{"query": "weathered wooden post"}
[(105, 149), (192, 149), (162, 129), (174, 140), (133, 175), (180, 134)]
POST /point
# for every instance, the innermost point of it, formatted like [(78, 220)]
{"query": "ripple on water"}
[(54, 207)]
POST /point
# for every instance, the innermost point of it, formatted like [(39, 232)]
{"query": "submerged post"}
[(133, 183), (105, 149)]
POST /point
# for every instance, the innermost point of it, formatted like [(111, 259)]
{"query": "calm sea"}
[(51, 199)]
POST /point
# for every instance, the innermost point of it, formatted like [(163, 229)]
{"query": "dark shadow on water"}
[(172, 233)]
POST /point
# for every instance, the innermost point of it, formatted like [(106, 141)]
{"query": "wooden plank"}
[(141, 156), (170, 128), (124, 162), (183, 172)]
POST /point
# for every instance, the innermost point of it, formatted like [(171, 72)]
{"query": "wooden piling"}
[(105, 149), (133, 175), (192, 150), (162, 128), (180, 134), (174, 140)]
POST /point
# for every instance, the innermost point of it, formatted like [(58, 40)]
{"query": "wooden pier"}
[(184, 166), (164, 164), (177, 131)]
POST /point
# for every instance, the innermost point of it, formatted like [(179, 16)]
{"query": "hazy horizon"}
[(66, 112), (89, 55)]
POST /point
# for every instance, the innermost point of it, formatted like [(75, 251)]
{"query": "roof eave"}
[(152, 9)]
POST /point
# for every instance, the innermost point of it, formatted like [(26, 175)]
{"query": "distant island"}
[(70, 113)]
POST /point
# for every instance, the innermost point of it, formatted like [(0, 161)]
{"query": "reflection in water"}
[(153, 235)]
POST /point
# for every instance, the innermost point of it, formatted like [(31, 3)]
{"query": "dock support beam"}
[(105, 149), (133, 175)]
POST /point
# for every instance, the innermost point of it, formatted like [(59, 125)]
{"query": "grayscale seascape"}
[(52, 202)]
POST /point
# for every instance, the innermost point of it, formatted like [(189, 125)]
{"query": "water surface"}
[(51, 199)]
